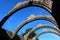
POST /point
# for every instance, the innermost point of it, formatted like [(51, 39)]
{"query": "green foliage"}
[(27, 30), (31, 35)]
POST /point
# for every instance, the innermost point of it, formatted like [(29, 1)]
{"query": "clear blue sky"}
[(21, 15)]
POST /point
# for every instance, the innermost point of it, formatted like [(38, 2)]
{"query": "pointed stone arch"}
[(38, 27), (25, 4), (33, 18), (45, 31)]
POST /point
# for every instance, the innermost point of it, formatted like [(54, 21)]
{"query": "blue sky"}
[(21, 15)]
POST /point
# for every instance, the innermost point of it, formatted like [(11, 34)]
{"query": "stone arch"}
[(33, 18), (39, 27), (22, 5), (45, 31)]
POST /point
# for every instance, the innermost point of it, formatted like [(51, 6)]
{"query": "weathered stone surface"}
[(39, 27), (46, 4), (45, 31)]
